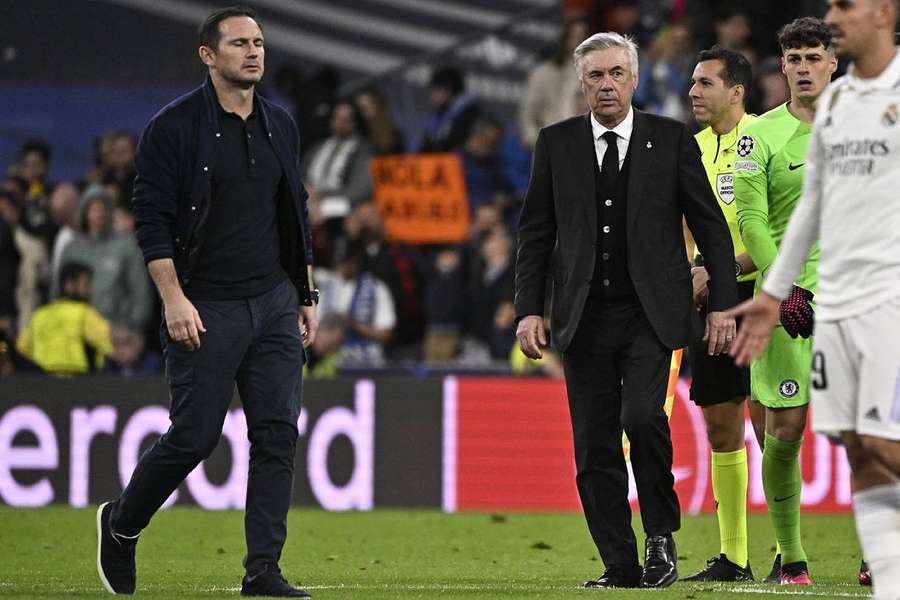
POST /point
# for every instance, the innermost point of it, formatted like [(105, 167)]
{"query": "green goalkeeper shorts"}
[(780, 377)]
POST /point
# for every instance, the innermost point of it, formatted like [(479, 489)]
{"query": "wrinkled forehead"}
[(240, 27), (607, 59)]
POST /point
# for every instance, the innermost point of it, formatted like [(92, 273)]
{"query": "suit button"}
[(606, 256), (606, 283), (606, 229), (608, 202)]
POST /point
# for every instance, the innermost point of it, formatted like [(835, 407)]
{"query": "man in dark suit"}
[(603, 219)]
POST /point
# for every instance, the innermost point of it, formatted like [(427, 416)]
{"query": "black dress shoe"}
[(722, 569), (270, 582), (617, 576), (659, 564)]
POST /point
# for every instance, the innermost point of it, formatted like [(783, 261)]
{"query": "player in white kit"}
[(851, 206)]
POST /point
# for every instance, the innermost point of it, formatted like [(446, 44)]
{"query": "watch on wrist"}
[(738, 269), (314, 296)]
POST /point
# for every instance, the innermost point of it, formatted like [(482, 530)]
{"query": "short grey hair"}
[(604, 41)]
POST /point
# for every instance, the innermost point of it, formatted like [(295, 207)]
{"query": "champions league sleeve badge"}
[(890, 116), (745, 145)]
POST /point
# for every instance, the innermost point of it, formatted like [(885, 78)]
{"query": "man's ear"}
[(206, 55)]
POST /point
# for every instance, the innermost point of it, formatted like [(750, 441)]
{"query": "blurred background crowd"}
[(75, 296)]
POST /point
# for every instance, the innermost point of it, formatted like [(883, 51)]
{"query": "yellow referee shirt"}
[(718, 156)]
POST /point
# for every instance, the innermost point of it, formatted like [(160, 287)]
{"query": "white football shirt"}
[(851, 199)]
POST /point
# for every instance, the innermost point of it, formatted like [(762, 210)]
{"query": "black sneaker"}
[(270, 582), (865, 574), (115, 556), (722, 569), (774, 575)]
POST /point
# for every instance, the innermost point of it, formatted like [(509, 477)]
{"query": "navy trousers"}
[(255, 343)]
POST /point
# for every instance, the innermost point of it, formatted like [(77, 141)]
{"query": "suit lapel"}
[(583, 158), (640, 156)]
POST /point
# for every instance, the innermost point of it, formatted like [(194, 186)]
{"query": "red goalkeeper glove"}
[(797, 314)]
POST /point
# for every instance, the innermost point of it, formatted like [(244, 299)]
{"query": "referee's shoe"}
[(115, 555)]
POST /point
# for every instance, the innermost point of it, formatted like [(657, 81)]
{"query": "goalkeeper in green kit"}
[(767, 185)]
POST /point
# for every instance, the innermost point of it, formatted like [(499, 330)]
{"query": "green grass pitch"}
[(397, 555)]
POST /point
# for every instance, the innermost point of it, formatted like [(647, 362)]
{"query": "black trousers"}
[(617, 372), (256, 343)]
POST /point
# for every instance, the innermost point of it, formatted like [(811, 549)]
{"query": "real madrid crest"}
[(745, 146), (890, 115)]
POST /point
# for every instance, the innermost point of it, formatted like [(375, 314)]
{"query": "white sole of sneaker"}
[(99, 540)]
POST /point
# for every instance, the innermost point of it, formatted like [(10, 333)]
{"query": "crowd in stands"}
[(75, 296)]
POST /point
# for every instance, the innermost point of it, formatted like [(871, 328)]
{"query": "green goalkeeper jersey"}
[(768, 181)]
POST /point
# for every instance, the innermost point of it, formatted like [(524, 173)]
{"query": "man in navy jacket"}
[(222, 222)]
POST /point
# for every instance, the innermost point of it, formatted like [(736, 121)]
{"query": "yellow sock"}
[(729, 482)]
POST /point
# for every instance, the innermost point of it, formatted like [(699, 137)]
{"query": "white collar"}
[(885, 81), (623, 129)]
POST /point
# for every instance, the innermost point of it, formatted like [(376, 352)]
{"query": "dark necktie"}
[(609, 168)]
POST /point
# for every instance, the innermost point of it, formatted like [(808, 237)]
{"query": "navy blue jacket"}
[(175, 163)]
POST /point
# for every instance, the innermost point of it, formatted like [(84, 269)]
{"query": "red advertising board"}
[(513, 451)]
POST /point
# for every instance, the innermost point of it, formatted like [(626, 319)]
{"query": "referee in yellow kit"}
[(720, 84)]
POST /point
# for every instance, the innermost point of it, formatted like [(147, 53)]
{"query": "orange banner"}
[(422, 198)]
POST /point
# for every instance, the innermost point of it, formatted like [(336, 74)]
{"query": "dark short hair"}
[(71, 271), (39, 146), (209, 31), (736, 69), (448, 77), (805, 32)]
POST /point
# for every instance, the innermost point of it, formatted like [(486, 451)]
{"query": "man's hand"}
[(699, 280), (308, 323), (797, 314), (720, 332), (531, 336), (183, 322), (760, 315)]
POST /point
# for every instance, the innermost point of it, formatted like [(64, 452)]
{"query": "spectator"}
[(9, 272), (64, 210), (772, 84), (453, 112), (121, 291), (34, 260), (384, 137), (666, 72), (321, 357), (118, 166), (130, 355), (363, 303), (337, 172), (445, 305), (485, 177), (491, 294), (732, 28), (315, 106), (401, 268), (67, 336), (33, 165), (553, 85)]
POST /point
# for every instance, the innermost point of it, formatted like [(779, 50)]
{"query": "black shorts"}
[(716, 379)]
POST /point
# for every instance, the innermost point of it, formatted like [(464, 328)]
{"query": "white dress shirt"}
[(622, 130)]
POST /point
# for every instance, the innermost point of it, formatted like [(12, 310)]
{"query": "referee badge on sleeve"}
[(745, 145)]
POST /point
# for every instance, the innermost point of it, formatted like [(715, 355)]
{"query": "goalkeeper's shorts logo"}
[(745, 145), (789, 388)]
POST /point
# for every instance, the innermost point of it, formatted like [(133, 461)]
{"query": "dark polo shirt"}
[(240, 255)]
